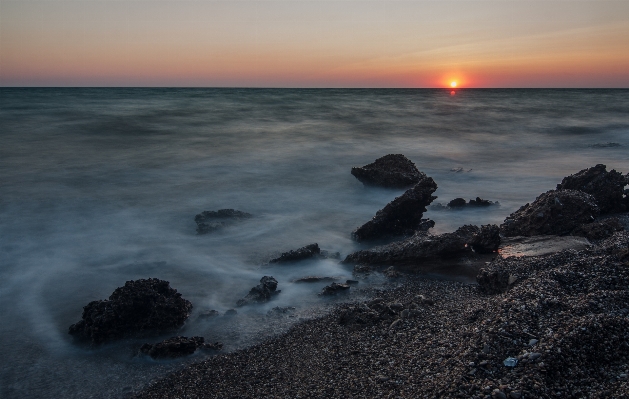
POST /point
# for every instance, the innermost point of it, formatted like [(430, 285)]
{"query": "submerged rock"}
[(314, 279), (606, 187), (208, 221), (307, 252), (393, 171), (138, 306), (556, 212), (418, 248), (334, 289), (261, 292), (177, 347), (598, 230), (402, 216)]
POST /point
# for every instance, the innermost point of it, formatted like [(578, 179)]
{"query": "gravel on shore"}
[(564, 322)]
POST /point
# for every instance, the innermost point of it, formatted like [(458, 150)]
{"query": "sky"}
[(295, 43)]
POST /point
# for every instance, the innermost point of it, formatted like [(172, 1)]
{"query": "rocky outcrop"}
[(418, 248), (473, 203), (208, 221), (139, 306), (307, 252), (493, 281), (606, 187), (598, 230), (393, 171), (262, 292), (334, 289), (402, 216), (177, 347), (487, 240), (555, 212)]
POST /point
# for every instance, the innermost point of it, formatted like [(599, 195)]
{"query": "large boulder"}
[(402, 216), (137, 307), (262, 292), (208, 221), (307, 252), (393, 171), (418, 248), (487, 240), (177, 347), (555, 212), (606, 187)]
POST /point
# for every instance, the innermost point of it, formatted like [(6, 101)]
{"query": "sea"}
[(99, 186)]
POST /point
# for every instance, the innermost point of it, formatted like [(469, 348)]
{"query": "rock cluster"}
[(140, 306), (262, 292), (473, 203), (393, 171), (402, 216), (208, 221), (607, 188), (177, 347)]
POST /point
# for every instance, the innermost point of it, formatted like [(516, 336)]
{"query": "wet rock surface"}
[(307, 252), (261, 293), (208, 221), (140, 306), (177, 347), (563, 320), (606, 187), (402, 216), (393, 171), (556, 212)]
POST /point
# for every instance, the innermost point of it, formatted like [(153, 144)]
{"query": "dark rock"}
[(457, 203), (334, 289), (402, 216), (487, 240), (307, 252), (314, 279), (362, 270), (598, 230), (554, 212), (393, 170), (418, 248), (208, 314), (351, 282), (493, 281), (208, 221), (231, 312), (173, 347), (478, 202), (139, 306), (390, 272), (606, 187), (261, 292), (425, 225)]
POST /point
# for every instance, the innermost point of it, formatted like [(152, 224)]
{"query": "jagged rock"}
[(402, 216), (598, 230), (493, 281), (334, 289), (208, 221), (307, 252), (606, 187), (261, 292), (362, 270), (177, 347), (208, 314), (139, 306), (555, 212), (393, 170), (487, 240), (417, 248), (459, 203)]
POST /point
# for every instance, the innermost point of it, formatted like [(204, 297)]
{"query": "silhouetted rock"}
[(307, 252), (314, 279), (393, 170), (457, 203), (208, 221), (138, 306), (261, 292), (177, 347), (417, 248), (402, 216), (606, 187), (487, 240), (554, 212), (479, 202), (598, 230), (334, 289)]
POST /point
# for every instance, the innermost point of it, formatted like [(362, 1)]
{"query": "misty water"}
[(101, 186)]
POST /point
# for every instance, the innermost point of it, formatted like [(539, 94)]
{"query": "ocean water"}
[(101, 186)]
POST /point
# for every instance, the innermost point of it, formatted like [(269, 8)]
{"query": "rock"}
[(393, 171), (390, 272), (487, 240), (208, 314), (598, 230), (493, 281), (515, 394), (478, 202), (231, 312), (314, 279), (147, 305), (307, 252), (362, 270), (606, 187), (554, 212), (457, 203), (334, 289), (175, 347), (402, 216), (208, 221), (417, 248), (260, 293), (351, 282)]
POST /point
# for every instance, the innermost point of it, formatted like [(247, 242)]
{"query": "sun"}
[(453, 84)]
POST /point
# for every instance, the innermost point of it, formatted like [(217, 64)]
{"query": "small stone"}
[(395, 323), (533, 342), (534, 355), (515, 394), (382, 378), (498, 394), (510, 362)]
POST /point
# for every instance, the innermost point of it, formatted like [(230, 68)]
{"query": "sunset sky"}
[(314, 43)]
